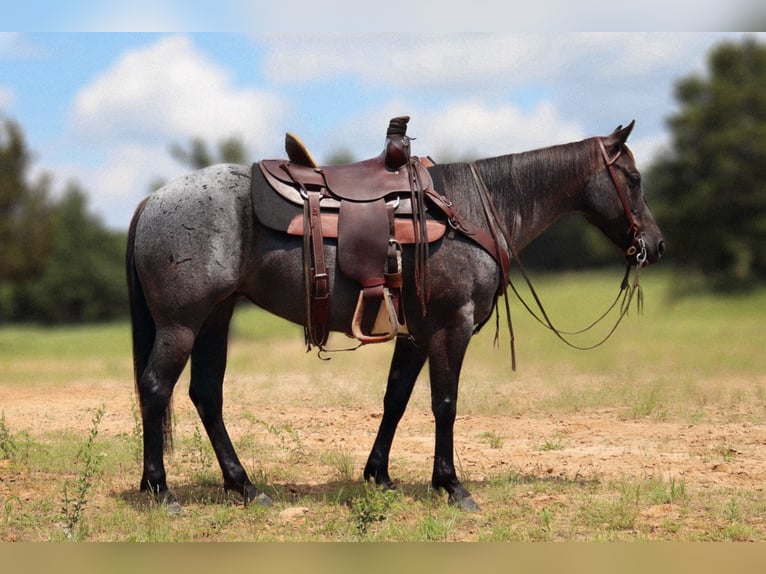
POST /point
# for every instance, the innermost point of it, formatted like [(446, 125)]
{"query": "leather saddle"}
[(371, 207)]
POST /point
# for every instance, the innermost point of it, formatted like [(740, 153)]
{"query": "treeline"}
[(60, 264)]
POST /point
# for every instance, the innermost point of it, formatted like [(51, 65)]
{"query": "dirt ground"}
[(594, 444)]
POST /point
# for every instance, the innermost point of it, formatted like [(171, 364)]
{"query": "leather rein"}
[(627, 291)]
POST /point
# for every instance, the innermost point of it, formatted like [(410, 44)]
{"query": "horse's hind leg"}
[(208, 365), (445, 361), (406, 364), (169, 355)]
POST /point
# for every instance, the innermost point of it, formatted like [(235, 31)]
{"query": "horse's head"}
[(614, 201)]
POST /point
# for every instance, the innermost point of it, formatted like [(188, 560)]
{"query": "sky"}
[(103, 108)]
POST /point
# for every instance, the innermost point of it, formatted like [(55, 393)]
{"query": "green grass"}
[(668, 361), (35, 356), (684, 361)]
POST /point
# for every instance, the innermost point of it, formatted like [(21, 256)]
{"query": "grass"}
[(684, 362)]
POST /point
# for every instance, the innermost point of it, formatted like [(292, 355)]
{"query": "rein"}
[(627, 291)]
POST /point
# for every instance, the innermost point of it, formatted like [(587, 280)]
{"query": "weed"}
[(343, 464), (371, 507), (72, 507), (727, 453), (650, 404), (432, 528), (677, 492), (289, 438), (493, 439), (554, 443), (614, 514), (672, 492), (10, 502), (136, 437), (733, 511), (200, 454), (8, 446), (546, 518)]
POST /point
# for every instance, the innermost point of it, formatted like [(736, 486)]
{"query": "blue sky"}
[(103, 108)]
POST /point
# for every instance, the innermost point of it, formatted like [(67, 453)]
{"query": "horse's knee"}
[(444, 410)]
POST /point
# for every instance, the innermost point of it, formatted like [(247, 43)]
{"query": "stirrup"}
[(386, 325)]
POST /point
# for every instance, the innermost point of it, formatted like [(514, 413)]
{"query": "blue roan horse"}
[(195, 247)]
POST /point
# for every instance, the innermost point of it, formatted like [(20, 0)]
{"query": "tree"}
[(25, 212), (711, 187), (84, 279), (199, 155)]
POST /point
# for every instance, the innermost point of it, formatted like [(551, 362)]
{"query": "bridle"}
[(637, 246), (637, 249)]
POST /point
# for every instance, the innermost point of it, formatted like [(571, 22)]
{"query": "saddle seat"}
[(364, 181)]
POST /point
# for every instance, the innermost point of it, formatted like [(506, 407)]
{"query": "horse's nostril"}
[(661, 248)]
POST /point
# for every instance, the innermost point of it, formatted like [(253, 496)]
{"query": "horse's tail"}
[(143, 327)]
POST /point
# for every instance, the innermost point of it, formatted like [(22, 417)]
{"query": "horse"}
[(195, 248)]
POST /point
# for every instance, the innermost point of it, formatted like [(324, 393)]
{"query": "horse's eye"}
[(634, 178)]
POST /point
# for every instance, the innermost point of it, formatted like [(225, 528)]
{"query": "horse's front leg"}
[(406, 364), (447, 351)]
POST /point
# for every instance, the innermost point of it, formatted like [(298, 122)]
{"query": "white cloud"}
[(459, 129), (552, 15), (167, 92), (473, 61), (648, 149), (16, 46), (170, 91), (483, 130), (119, 180), (127, 16), (407, 60), (7, 98)]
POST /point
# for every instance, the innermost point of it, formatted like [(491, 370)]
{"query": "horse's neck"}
[(534, 189)]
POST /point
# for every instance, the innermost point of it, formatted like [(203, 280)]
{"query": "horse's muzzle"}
[(644, 251)]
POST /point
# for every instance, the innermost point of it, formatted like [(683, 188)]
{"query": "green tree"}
[(199, 155), (711, 187), (84, 279), (25, 211)]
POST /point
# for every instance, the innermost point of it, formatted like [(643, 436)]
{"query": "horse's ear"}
[(619, 136)]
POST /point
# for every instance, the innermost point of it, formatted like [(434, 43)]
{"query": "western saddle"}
[(372, 207)]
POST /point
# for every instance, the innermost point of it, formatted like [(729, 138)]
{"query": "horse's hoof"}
[(387, 486), (174, 509), (381, 480), (466, 503), (166, 500), (261, 499), (469, 504), (250, 495)]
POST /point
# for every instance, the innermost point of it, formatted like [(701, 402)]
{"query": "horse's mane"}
[(517, 180)]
